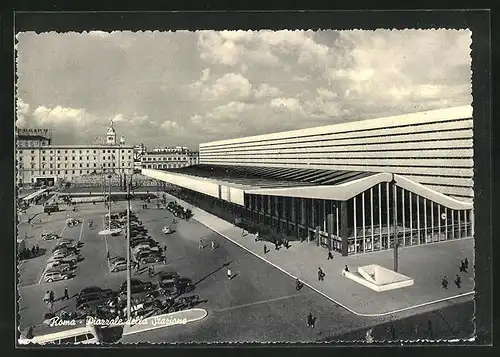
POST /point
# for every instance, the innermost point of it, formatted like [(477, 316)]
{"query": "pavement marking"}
[(257, 303), (81, 230), (328, 297)]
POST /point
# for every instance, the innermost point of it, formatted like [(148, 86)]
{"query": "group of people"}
[(49, 298), (30, 253), (464, 266)]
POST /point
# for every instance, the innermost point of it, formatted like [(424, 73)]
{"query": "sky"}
[(186, 88)]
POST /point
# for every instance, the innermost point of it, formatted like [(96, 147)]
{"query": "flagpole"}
[(128, 251)]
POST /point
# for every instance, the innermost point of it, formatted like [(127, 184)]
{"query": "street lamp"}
[(395, 224), (129, 293)]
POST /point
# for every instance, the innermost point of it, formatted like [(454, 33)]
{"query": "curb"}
[(320, 292)]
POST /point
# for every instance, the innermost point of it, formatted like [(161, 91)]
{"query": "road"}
[(259, 303)]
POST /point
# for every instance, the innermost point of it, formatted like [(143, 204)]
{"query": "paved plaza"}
[(260, 303)]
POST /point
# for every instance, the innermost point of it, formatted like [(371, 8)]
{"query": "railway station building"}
[(354, 187)]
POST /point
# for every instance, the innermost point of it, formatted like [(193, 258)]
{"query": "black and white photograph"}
[(260, 186)]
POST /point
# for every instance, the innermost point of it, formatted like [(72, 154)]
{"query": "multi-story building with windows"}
[(27, 138), (354, 187), (169, 158), (47, 164)]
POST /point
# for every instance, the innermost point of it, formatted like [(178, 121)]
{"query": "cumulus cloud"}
[(169, 125), (265, 90), (229, 86), (23, 110), (211, 84)]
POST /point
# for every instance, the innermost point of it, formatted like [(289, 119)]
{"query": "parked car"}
[(59, 265), (168, 230), (66, 247), (150, 257), (49, 236), (73, 258), (95, 298), (118, 265), (137, 285), (56, 275), (146, 241), (51, 208), (167, 276)]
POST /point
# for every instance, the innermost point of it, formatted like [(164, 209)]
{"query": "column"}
[(302, 214), (471, 219), (293, 202), (277, 211), (329, 225), (313, 222), (284, 212), (343, 228)]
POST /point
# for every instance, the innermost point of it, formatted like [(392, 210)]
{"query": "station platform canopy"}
[(294, 182)]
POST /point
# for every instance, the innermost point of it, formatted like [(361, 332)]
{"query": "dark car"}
[(149, 241), (137, 286), (150, 257), (67, 247), (165, 276), (93, 290)]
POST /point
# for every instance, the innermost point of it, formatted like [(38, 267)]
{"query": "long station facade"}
[(354, 187)]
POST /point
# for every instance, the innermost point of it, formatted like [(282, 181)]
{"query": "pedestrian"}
[(66, 295), (346, 269), (229, 274), (466, 261), (37, 249), (462, 267), (25, 235), (243, 232), (165, 259), (368, 336), (393, 333), (51, 306), (213, 245), (330, 255), (298, 284), (265, 249), (257, 237), (33, 251), (444, 282), (46, 297), (51, 296), (200, 246), (310, 320), (458, 281), (321, 274)]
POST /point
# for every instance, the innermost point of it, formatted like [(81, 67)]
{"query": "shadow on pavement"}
[(213, 272), (111, 334)]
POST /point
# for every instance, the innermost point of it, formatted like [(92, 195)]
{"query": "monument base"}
[(379, 278)]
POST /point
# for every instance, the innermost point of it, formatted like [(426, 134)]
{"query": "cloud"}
[(23, 110), (265, 90), (230, 86), (289, 104), (169, 125), (215, 84)]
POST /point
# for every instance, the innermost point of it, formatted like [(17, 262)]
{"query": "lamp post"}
[(395, 224), (128, 251), (109, 203)]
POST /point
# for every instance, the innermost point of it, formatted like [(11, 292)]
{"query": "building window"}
[(65, 151), (43, 158), (50, 158), (43, 151), (51, 165), (51, 172), (95, 164), (58, 165), (65, 171), (95, 152), (80, 151), (32, 151), (88, 165), (81, 157), (73, 158), (72, 165), (43, 172), (80, 165), (58, 151), (74, 172), (66, 158)]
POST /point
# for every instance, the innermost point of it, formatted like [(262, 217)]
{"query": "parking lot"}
[(258, 303)]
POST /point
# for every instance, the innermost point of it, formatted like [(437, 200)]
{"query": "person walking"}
[(37, 249), (298, 284), (321, 274), (368, 336), (265, 249), (346, 269), (51, 296), (444, 282), (458, 281), (66, 294), (200, 246), (46, 297), (330, 255), (229, 274), (309, 320), (466, 261), (462, 267), (213, 245)]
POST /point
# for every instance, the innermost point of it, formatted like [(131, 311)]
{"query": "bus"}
[(80, 333)]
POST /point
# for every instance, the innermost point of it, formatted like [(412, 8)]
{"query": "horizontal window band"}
[(355, 131)]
